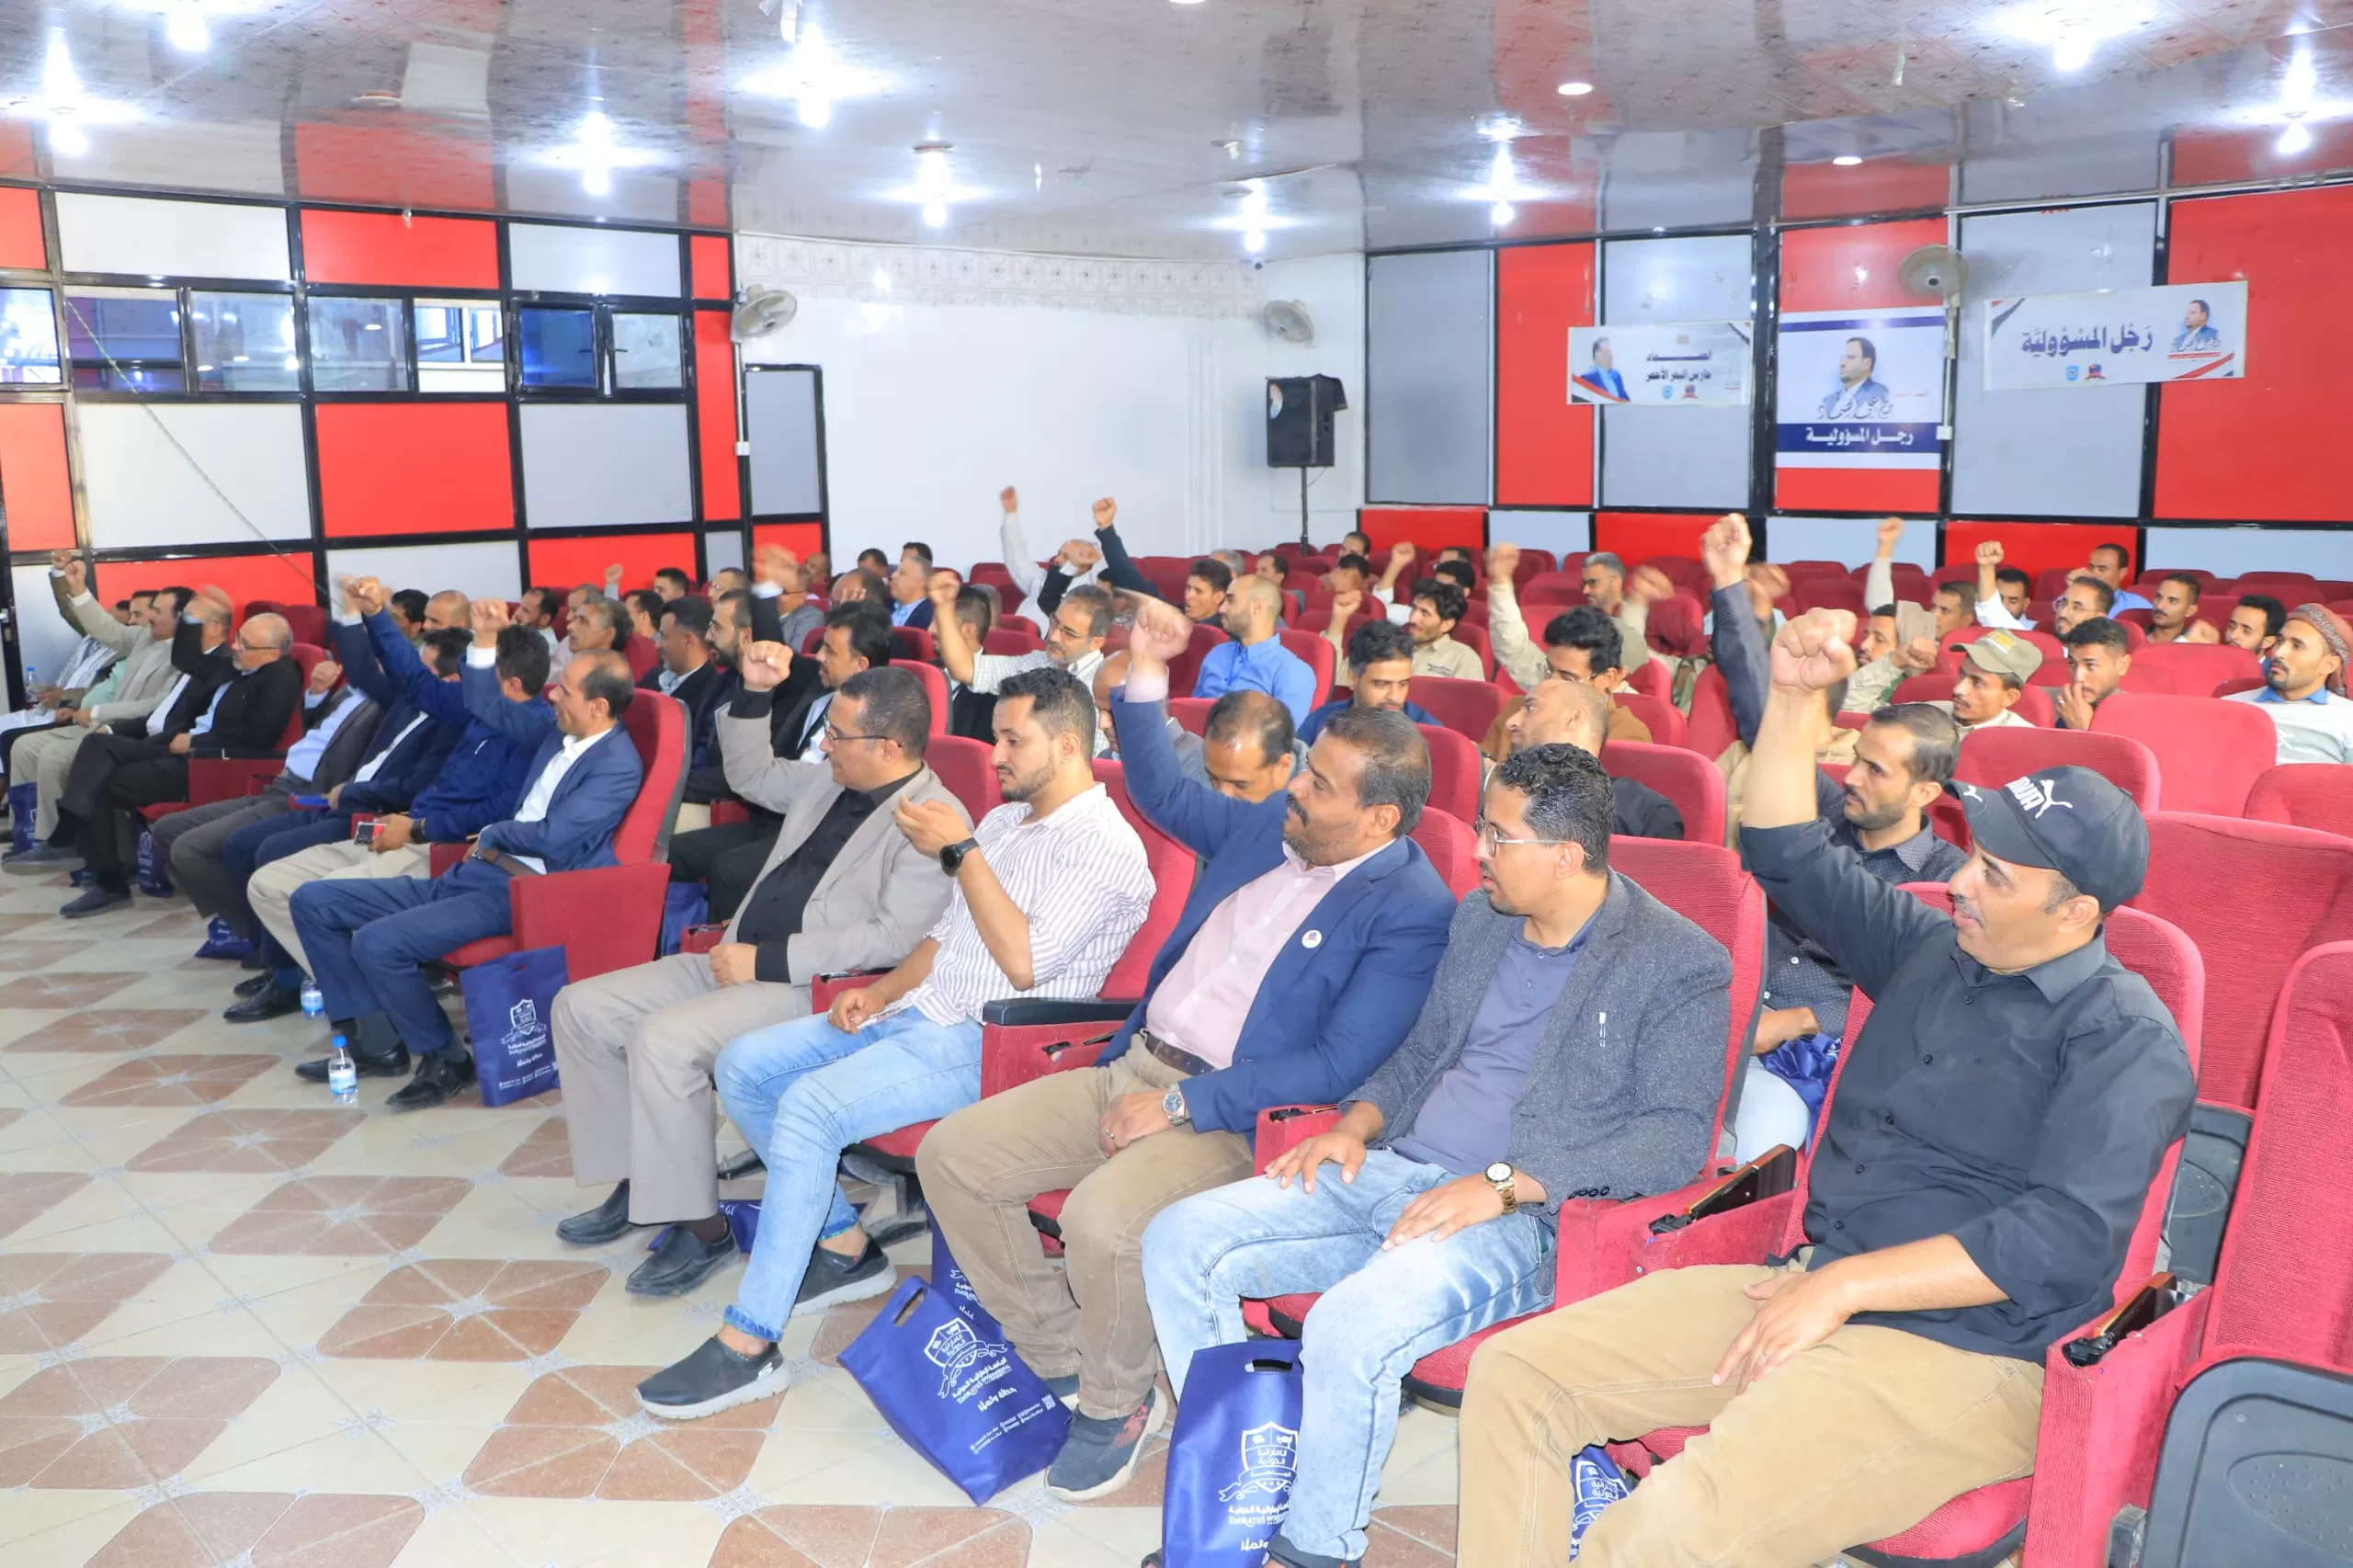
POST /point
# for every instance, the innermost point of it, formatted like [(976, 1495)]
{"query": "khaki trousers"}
[(44, 758), (1856, 1439), (634, 1050), (980, 1167), (271, 888)]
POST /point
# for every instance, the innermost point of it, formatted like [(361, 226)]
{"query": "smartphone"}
[(309, 802), (365, 833), (1769, 1174)]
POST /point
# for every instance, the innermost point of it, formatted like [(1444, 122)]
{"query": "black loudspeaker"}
[(1299, 420)]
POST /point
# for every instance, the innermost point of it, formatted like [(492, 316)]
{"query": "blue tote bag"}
[(1234, 1454), (154, 875), (948, 1279), (508, 1002), (684, 906), (958, 1397), (23, 802)]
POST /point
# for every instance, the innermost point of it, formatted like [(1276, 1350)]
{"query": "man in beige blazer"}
[(843, 888)]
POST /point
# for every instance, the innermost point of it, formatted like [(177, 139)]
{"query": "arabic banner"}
[(2180, 332), (1703, 364), (1860, 390)]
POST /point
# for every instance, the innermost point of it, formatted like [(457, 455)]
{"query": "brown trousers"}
[(980, 1167), (1856, 1439)]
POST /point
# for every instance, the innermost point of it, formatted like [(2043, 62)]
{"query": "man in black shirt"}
[(842, 888), (1577, 714), (1980, 1175)]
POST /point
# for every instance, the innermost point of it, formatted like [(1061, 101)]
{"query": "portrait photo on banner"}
[(1704, 364), (2175, 332), (1855, 389)]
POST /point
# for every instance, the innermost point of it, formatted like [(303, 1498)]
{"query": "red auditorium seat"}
[(1456, 771), (1320, 620), (1446, 839), (1683, 570), (1691, 781), (1563, 588), (1652, 679), (1666, 726), (1676, 627), (969, 770), (2198, 666), (935, 686), (912, 644), (643, 652), (1012, 638), (1709, 729), (2304, 795), (1991, 758), (2212, 752), (1186, 666), (2276, 581), (1192, 712), (1467, 706), (611, 917), (308, 622), (1311, 647), (1827, 593)]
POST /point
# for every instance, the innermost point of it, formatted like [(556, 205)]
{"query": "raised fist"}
[(489, 618), (1008, 499), (1724, 548), (1105, 511), (764, 665), (1160, 631), (1891, 534), (1344, 604), (1647, 583), (1503, 561), (942, 588), (1920, 654), (1989, 553), (1815, 651)]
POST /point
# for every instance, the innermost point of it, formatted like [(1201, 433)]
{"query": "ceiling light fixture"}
[(2294, 140), (934, 184), (815, 79), (185, 30), (2299, 105), (1501, 214), (2073, 29), (63, 104), (1846, 160), (596, 153), (1574, 89)]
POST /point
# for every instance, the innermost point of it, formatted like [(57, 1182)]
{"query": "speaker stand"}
[(1303, 542)]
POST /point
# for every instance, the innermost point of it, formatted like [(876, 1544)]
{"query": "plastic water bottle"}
[(314, 1002), (343, 1076)]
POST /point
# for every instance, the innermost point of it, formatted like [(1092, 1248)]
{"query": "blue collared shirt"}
[(302, 762), (1267, 667)]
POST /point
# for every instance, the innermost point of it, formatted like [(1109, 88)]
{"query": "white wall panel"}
[(246, 157), (722, 549), (171, 239), (780, 420), (1851, 541), (488, 570), (1563, 533), (557, 259), (1679, 179), (193, 473), (1676, 457), (1431, 368), (2323, 553), (605, 465)]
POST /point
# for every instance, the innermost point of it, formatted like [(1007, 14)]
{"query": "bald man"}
[(1256, 660)]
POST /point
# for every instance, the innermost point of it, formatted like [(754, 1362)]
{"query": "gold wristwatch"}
[(1500, 1177)]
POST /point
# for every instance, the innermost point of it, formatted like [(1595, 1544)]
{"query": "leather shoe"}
[(683, 1261), (608, 1221), (95, 900), (438, 1079), (270, 1001), (254, 984), (393, 1065)]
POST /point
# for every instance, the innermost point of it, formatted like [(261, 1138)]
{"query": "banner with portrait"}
[(1859, 389), (2176, 332), (1703, 364)]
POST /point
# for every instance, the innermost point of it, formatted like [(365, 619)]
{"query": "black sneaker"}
[(683, 1261), (608, 1221), (832, 1280), (711, 1379), (1100, 1455)]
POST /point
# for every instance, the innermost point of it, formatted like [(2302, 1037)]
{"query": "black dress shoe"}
[(270, 1001), (254, 984), (95, 900), (608, 1221), (438, 1079), (683, 1261), (394, 1066)]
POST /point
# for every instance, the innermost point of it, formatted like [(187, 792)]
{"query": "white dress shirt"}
[(542, 791)]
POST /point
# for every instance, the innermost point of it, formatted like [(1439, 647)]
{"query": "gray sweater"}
[(1624, 1088)]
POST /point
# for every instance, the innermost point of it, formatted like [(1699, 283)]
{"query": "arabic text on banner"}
[(1860, 389), (1703, 364), (2178, 332)]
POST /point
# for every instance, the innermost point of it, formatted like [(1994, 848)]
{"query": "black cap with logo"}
[(2068, 820)]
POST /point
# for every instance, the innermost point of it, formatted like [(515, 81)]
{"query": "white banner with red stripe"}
[(2176, 332)]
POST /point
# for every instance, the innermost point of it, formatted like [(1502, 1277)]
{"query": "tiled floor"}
[(240, 1326)]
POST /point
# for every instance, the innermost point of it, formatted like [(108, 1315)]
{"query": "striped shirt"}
[(1080, 876)]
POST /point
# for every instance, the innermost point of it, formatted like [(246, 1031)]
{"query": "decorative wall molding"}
[(925, 275)]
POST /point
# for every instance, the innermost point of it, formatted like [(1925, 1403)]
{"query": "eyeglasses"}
[(1483, 832), (834, 737)]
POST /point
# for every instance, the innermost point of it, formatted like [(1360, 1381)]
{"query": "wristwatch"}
[(1500, 1177), (1172, 1106), (953, 856)]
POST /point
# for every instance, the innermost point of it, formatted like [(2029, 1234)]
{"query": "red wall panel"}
[(21, 244), (16, 160), (1633, 537), (387, 248), (801, 539), (1432, 528), (708, 254), (2264, 448), (286, 578), (723, 498), (1543, 442), (2037, 548), (33, 478), (397, 467), (1853, 267), (584, 560), (1878, 185), (2215, 156)]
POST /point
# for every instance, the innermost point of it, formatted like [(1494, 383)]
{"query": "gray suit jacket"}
[(1623, 1090), (882, 895), (146, 671)]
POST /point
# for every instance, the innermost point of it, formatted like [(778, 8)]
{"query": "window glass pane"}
[(559, 347), (645, 350), (358, 346), (124, 339), (460, 347), (245, 341), (489, 334), (28, 338), (440, 334)]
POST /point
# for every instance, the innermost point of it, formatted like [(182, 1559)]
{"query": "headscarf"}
[(2332, 630)]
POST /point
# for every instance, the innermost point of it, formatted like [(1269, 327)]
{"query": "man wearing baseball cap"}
[(1993, 672), (1976, 1183)]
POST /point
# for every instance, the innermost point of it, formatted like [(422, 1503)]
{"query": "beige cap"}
[(2004, 653)]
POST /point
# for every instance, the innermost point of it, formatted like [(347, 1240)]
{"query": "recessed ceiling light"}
[(1184, 2), (377, 101), (1846, 160), (1501, 214), (1574, 89)]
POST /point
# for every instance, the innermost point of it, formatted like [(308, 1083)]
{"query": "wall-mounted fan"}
[(763, 310), (1939, 270), (1288, 320)]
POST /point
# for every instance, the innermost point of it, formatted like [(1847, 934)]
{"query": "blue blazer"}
[(416, 761), (589, 802), (1330, 1010)]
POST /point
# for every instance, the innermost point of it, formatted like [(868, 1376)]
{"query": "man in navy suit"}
[(1298, 963), (366, 939)]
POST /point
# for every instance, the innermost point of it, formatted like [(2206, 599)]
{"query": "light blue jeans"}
[(1381, 1312), (802, 1092)]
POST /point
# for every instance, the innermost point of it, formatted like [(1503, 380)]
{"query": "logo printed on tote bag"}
[(1269, 1461), (967, 1362)]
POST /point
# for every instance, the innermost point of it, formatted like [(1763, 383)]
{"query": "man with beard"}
[(2303, 689), (1074, 639), (1300, 960)]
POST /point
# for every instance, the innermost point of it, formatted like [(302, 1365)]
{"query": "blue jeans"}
[(802, 1092), (1381, 1312)]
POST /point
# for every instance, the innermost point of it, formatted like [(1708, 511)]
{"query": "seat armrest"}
[(702, 938), (1028, 1010), (603, 918), (824, 988), (440, 857), (213, 779), (1285, 1128), (1018, 1045)]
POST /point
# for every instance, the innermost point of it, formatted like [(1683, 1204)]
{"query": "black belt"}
[(512, 865), (1185, 1061)]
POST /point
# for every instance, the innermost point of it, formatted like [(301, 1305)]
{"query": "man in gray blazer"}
[(843, 888), (1573, 1046)]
